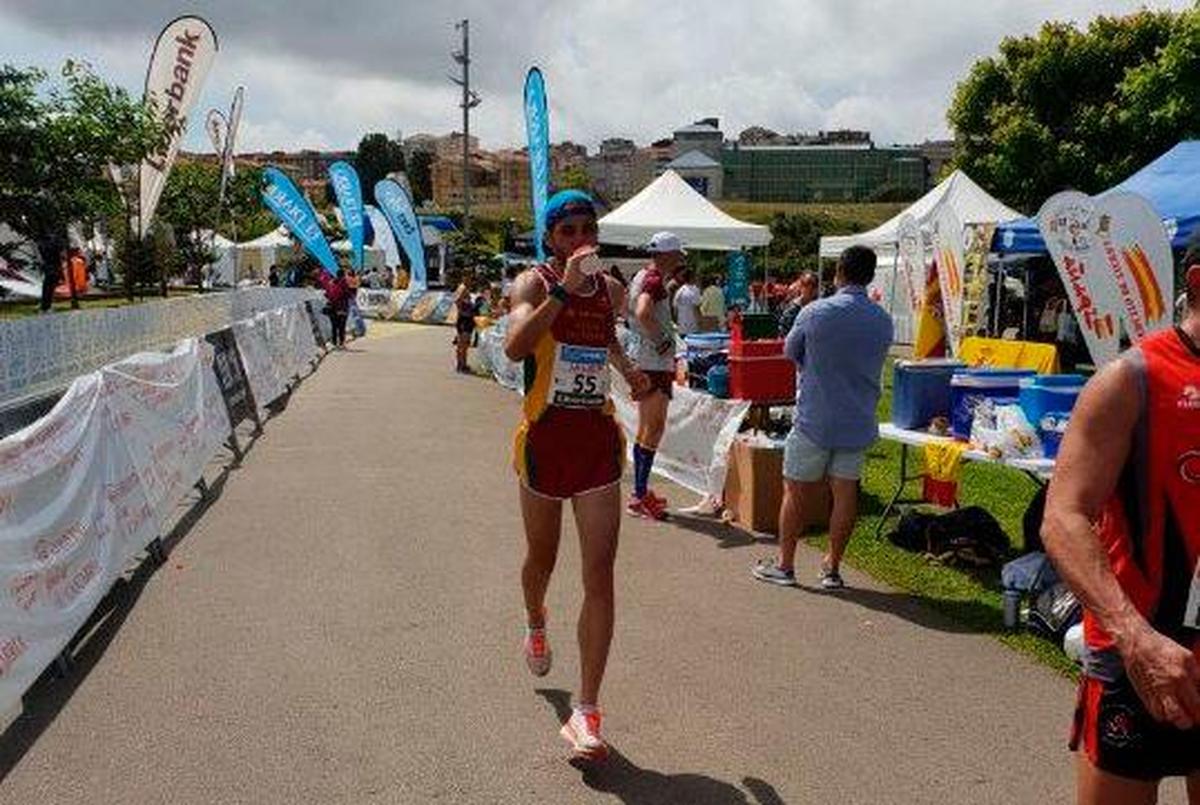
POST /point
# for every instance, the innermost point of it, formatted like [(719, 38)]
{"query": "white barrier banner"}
[(169, 415), (694, 452), (87, 487), (379, 303), (267, 383)]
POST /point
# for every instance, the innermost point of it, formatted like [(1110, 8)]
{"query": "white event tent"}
[(670, 203), (970, 202)]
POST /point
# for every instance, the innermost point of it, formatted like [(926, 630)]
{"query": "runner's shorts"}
[(1121, 737), (569, 452)]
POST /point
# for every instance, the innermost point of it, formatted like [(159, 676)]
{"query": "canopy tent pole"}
[(999, 301), (1025, 322), (895, 276)]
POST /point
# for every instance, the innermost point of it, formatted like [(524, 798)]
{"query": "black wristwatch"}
[(559, 292)]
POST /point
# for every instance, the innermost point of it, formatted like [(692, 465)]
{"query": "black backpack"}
[(969, 536)]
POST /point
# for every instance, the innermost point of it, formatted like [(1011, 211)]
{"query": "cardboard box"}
[(754, 489)]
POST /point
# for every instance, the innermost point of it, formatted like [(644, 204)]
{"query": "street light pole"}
[(470, 99)]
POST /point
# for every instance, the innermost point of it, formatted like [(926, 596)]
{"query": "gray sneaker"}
[(830, 578), (768, 570)]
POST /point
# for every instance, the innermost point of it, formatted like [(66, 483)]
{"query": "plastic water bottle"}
[(1012, 608), (1073, 643)]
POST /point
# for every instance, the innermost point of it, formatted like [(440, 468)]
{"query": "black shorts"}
[(1121, 737)]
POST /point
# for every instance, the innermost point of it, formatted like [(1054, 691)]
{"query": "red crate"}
[(766, 348), (762, 379)]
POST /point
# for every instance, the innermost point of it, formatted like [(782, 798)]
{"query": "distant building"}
[(619, 169), (307, 168), (701, 171), (937, 154), (703, 136), (497, 178), (839, 173)]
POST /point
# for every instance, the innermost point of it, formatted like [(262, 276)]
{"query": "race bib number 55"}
[(580, 377)]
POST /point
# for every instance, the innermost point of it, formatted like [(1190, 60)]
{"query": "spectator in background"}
[(273, 276), (687, 304), (464, 326), (337, 302), (799, 294), (712, 307), (1067, 336), (839, 345)]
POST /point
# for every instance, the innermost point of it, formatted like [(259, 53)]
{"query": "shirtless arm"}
[(1093, 453), (532, 313)]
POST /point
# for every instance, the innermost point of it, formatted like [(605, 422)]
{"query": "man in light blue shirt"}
[(839, 345)]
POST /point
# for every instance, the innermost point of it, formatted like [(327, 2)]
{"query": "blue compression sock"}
[(642, 467)]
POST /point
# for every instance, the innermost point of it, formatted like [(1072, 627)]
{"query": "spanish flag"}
[(930, 341)]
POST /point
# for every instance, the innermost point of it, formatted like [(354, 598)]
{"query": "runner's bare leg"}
[(543, 529), (598, 518)]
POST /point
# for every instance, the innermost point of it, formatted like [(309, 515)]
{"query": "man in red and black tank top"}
[(1123, 528)]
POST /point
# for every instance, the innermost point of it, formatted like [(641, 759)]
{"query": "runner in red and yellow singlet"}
[(568, 446), (1123, 528)]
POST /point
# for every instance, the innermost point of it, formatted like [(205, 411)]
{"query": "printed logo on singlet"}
[(1189, 466), (1189, 400), (1118, 727)]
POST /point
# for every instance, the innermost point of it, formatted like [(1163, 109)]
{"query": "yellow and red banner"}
[(948, 253)]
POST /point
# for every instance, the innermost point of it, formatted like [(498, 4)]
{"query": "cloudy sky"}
[(320, 73)]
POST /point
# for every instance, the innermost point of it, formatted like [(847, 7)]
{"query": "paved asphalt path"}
[(342, 625)]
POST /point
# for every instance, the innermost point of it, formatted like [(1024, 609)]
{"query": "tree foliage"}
[(377, 156), (56, 144), (420, 177), (574, 177), (1083, 109)]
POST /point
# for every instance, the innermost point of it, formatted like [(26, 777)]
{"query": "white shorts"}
[(807, 462)]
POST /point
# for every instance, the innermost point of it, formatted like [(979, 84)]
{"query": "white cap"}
[(665, 242)]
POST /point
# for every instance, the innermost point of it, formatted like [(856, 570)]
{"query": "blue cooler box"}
[(1047, 401), (705, 343), (969, 386), (921, 391)]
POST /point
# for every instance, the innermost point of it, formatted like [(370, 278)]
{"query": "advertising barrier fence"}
[(89, 487), (43, 354)]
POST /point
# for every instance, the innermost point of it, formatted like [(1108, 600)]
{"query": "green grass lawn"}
[(16, 308), (842, 218), (970, 599)]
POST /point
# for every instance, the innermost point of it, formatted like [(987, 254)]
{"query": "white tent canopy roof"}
[(670, 203), (275, 238), (970, 202)]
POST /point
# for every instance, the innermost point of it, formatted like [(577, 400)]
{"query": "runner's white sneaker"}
[(582, 732)]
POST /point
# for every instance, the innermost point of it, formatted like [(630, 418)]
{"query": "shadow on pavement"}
[(58, 683), (726, 535), (635, 785), (938, 614)]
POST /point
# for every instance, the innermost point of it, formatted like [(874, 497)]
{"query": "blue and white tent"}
[(1170, 183)]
